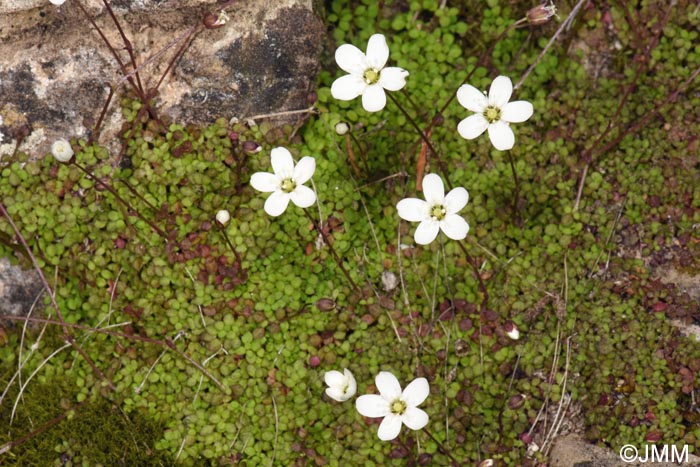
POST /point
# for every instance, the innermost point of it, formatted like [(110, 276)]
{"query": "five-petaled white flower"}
[(395, 406), (341, 386), (493, 112), (367, 76), (437, 212), (287, 183), (62, 150)]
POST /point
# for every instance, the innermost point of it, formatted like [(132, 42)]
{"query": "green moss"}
[(95, 432)]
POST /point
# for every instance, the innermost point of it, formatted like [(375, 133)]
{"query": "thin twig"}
[(569, 19)]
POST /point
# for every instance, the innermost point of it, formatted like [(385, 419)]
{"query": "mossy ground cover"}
[(214, 356)]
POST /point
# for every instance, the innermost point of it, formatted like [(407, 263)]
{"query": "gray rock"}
[(573, 451), (56, 72), (19, 289)]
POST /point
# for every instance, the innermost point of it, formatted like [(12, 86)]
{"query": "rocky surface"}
[(572, 451), (19, 290), (56, 71)]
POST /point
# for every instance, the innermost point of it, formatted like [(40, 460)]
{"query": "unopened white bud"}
[(223, 216), (62, 150)]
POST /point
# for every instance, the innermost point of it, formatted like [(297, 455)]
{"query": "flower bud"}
[(541, 14), (251, 147), (512, 330), (62, 150), (486, 463), (222, 217), (516, 401), (438, 120), (212, 21), (341, 128), (325, 304)]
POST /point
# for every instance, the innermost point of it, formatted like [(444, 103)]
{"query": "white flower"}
[(395, 406), (367, 76), (62, 150), (493, 112), (341, 386), (57, 2), (223, 216), (287, 183), (437, 212)]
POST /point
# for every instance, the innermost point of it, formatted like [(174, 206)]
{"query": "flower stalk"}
[(426, 140), (114, 193), (337, 259)]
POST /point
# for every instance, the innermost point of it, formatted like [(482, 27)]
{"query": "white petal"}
[(426, 232), (372, 405), (303, 196), (454, 226), (393, 78), (377, 51), (387, 385), (416, 392), (471, 98), (276, 203), (348, 87), (336, 393), (501, 136), (350, 59), (415, 418), (282, 162), (500, 91), (516, 112), (390, 427), (264, 181), (472, 126), (334, 378), (412, 209), (455, 200), (304, 170), (433, 189), (373, 98), (352, 384)]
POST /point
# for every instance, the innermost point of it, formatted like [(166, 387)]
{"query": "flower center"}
[(398, 407), (438, 212), (492, 114), (288, 185), (371, 76)]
